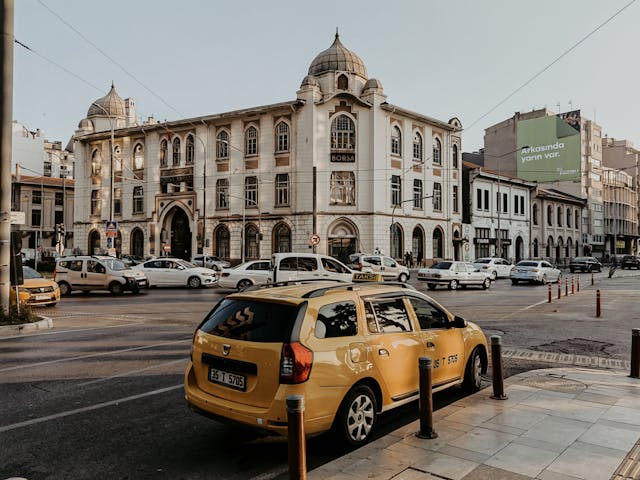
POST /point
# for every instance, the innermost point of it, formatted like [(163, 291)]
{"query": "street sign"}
[(18, 218), (111, 229), (314, 239)]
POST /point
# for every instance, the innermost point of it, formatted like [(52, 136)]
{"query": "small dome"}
[(373, 83), (111, 105), (337, 57), (309, 80), (85, 123)]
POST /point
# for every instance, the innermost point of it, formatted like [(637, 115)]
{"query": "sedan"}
[(537, 271), (255, 272), (585, 264), (630, 261), (208, 261), (36, 290), (496, 267), (175, 272), (453, 275)]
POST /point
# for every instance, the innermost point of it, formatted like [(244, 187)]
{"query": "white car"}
[(255, 272), (385, 266), (537, 271), (454, 275), (209, 261), (175, 272), (496, 267)]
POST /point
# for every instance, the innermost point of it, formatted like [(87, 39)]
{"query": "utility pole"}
[(6, 109)]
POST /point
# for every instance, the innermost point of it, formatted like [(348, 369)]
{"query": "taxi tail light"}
[(295, 363), (485, 267), (535, 270), (225, 274)]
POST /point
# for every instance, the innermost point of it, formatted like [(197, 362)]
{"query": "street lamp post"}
[(393, 225)]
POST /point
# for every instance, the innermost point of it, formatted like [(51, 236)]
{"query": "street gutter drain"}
[(554, 384)]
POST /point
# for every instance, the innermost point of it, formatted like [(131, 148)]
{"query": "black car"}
[(585, 264), (630, 261)]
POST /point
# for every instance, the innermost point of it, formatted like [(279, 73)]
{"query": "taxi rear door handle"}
[(431, 345), (383, 352)]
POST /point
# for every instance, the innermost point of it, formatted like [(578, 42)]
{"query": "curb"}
[(45, 324)]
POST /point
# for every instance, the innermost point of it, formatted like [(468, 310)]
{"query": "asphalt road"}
[(100, 395)]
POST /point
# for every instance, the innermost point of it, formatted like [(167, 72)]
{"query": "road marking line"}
[(523, 309), (91, 355), (97, 406), (13, 337), (126, 374)]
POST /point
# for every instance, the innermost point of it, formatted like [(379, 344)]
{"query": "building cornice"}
[(417, 116)]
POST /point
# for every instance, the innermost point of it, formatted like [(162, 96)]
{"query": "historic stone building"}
[(330, 171)]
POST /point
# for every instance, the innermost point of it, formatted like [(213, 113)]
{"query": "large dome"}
[(110, 105), (337, 57)]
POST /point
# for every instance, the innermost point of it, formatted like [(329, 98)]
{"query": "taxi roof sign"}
[(367, 277)]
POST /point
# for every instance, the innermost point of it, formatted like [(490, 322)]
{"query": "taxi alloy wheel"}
[(194, 282), (486, 284), (357, 416), (453, 285), (244, 284), (473, 372), (65, 289), (403, 278)]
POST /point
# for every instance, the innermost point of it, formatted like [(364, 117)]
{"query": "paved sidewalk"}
[(557, 424)]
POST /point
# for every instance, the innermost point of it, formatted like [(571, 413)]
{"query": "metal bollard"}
[(426, 400), (559, 288), (496, 368), (572, 286), (297, 442), (566, 286), (635, 353), (598, 309), (591, 278), (578, 283), (549, 293)]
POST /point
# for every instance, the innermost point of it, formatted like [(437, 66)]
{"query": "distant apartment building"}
[(620, 211), (560, 152)]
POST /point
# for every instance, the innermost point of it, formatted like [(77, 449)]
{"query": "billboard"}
[(553, 148)]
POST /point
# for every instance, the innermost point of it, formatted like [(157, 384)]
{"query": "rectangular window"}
[(96, 202), (521, 204), (58, 216), (117, 201), (222, 194), (138, 200), (478, 199), (455, 199), (59, 198), (282, 189), (342, 188), (486, 200), (417, 194), (482, 246), (396, 190), (497, 201), (437, 197), (505, 203), (337, 320), (36, 197), (36, 217), (251, 192), (515, 205)]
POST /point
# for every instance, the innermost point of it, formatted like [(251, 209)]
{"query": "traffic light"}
[(15, 273), (60, 230)]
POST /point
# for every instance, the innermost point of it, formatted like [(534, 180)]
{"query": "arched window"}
[(343, 133), (222, 194), (164, 153), (137, 243), (549, 246), (251, 192), (535, 248), (176, 151), (454, 156), (94, 242), (559, 211), (568, 217), (251, 244), (438, 247), (222, 145), (437, 197), (549, 216), (343, 82), (576, 221), (190, 150), (117, 159), (417, 147), (281, 238), (221, 237), (535, 214), (437, 151), (396, 141), (138, 200), (342, 188), (282, 137), (96, 202), (138, 157), (251, 141), (96, 166)]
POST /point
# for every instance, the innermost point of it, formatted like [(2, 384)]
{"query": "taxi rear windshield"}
[(252, 321)]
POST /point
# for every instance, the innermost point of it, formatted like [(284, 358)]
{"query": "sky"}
[(455, 58)]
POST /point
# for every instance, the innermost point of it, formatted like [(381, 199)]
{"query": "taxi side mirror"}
[(459, 322)]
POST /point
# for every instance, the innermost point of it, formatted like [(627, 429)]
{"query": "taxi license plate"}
[(42, 297), (227, 379)]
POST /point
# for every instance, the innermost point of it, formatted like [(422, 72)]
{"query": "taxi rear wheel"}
[(453, 285), (473, 372), (486, 284), (65, 289), (357, 416), (403, 277)]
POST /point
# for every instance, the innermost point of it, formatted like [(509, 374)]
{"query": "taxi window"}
[(460, 267), (95, 267), (388, 262), (429, 316), (372, 260), (75, 265), (333, 266), (307, 264), (289, 264), (337, 320), (390, 315)]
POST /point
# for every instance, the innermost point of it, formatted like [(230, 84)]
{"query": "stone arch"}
[(281, 238), (438, 242), (222, 241), (396, 241), (343, 238), (176, 232), (418, 244), (93, 246), (251, 242), (136, 243)]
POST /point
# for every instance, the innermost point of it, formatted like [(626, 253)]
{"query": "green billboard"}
[(553, 148)]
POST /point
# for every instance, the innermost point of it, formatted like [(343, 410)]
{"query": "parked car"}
[(454, 275), (308, 266), (254, 272), (385, 266), (207, 261), (535, 271), (175, 272), (36, 290), (630, 261), (131, 260), (496, 267), (585, 264), (351, 352), (97, 272)]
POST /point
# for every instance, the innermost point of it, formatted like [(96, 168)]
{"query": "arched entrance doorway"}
[(519, 249), (396, 241), (180, 239), (438, 247), (137, 243), (222, 242), (417, 244), (94, 243), (251, 245), (281, 241), (342, 240), (457, 245)]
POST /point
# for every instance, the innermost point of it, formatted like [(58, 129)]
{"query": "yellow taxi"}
[(351, 349), (35, 289)]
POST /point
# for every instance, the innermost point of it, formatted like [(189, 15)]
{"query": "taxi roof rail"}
[(353, 286)]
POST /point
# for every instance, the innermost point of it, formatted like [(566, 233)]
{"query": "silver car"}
[(255, 272), (209, 261), (537, 271), (454, 275), (496, 267)]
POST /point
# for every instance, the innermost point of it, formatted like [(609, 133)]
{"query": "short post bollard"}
[(559, 288), (578, 288), (566, 286), (598, 309), (496, 368), (572, 286), (426, 400), (549, 293), (297, 442), (591, 278), (635, 353)]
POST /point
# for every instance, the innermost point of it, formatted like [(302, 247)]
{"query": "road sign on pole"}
[(314, 239), (111, 229)]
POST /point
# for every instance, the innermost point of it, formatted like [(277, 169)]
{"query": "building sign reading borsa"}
[(343, 157)]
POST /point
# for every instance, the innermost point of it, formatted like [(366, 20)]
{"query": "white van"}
[(307, 266), (97, 272)]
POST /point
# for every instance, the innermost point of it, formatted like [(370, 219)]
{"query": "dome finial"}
[(337, 34)]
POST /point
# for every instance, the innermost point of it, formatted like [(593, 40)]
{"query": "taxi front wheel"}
[(473, 372), (357, 416)]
